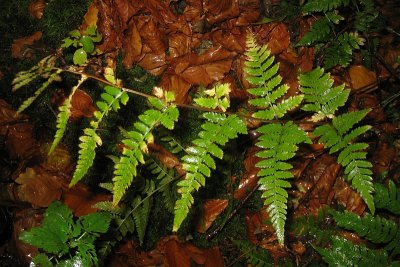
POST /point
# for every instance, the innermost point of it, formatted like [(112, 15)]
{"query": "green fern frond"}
[(164, 177), (217, 97), (345, 253), (44, 68), (278, 143), (312, 227), (141, 215), (63, 117), (255, 256), (52, 77), (320, 96), (323, 5), (340, 51), (263, 73), (174, 145), (217, 131), (366, 17), (90, 140), (136, 145), (321, 29), (387, 198), (338, 136)]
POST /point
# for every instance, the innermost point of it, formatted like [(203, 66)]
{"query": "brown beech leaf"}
[(39, 187), (153, 63), (382, 158), (59, 161), (361, 77), (90, 18), (81, 105), (232, 39), (249, 179), (178, 85), (250, 11), (166, 158), (365, 101), (218, 11), (211, 209), (276, 35), (132, 45), (316, 184), (19, 45), (20, 141), (344, 195), (36, 8), (81, 200)]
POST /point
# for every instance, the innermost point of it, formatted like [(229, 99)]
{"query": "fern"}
[(341, 50), (217, 131), (278, 142), (263, 73), (134, 146), (255, 256), (345, 253), (323, 5), (165, 178), (112, 97), (366, 18), (339, 136), (320, 96), (375, 229), (63, 117), (320, 31), (387, 198)]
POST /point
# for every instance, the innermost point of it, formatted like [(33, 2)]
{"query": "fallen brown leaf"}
[(361, 77), (211, 209), (18, 47), (81, 105), (36, 8)]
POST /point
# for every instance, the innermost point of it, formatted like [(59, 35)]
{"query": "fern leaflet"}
[(338, 136), (263, 73), (345, 253), (387, 198), (63, 117), (375, 229), (217, 131), (320, 96), (112, 97), (320, 30), (323, 5), (341, 50), (255, 256), (279, 144), (136, 144)]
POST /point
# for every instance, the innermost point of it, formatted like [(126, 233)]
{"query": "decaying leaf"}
[(81, 105), (346, 196), (361, 77), (90, 18), (39, 187), (36, 8), (382, 158), (166, 158), (249, 179), (19, 47), (211, 209)]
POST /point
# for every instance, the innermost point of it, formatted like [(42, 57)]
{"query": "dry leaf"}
[(81, 105), (383, 156), (132, 45), (361, 77), (18, 47), (90, 18), (36, 8), (346, 196), (211, 209), (39, 187)]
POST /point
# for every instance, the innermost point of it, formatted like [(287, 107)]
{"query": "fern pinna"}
[(387, 197), (164, 113), (278, 142), (373, 228), (339, 137), (111, 99), (218, 129), (319, 95)]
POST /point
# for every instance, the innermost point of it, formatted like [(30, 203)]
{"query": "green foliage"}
[(339, 136), (255, 256), (218, 96), (111, 99), (217, 131), (341, 50), (345, 253), (374, 228), (321, 30), (323, 5), (85, 44), (61, 237), (136, 143), (263, 73), (278, 142), (387, 197), (319, 95), (63, 117)]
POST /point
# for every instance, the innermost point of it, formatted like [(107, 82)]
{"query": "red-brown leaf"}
[(211, 209)]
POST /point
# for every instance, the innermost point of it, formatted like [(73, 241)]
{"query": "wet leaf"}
[(81, 105), (211, 209), (80, 57), (87, 44), (19, 46), (36, 8)]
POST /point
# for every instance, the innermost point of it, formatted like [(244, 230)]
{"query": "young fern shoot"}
[(218, 129), (278, 142)]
